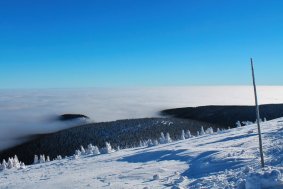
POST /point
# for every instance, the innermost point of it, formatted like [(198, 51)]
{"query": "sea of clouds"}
[(27, 112)]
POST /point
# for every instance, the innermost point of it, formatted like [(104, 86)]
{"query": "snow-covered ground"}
[(228, 159)]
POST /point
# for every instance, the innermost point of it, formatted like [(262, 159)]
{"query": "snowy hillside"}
[(227, 159)]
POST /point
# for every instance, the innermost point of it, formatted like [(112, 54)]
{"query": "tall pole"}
[(258, 117)]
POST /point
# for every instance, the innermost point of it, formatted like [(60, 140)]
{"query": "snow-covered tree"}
[(238, 124), (162, 139), (82, 150), (78, 152), (35, 160), (218, 130), (188, 134), (22, 165), (197, 133), (168, 138), (3, 165), (107, 149), (265, 120), (149, 143), (47, 159), (202, 131), (16, 162), (142, 143), (90, 149), (209, 130), (155, 142), (10, 163), (42, 159), (96, 151), (183, 135)]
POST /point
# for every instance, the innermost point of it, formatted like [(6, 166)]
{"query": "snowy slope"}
[(219, 160)]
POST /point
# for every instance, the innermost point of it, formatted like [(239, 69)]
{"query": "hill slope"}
[(226, 115), (228, 159), (123, 133)]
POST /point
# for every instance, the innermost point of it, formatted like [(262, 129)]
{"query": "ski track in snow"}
[(219, 160)]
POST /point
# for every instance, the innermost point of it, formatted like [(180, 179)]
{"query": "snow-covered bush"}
[(47, 159), (59, 157)]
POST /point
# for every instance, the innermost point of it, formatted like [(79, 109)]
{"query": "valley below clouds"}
[(29, 112)]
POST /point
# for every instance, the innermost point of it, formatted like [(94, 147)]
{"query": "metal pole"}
[(258, 117)]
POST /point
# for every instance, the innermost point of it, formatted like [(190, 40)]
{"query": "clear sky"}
[(113, 43)]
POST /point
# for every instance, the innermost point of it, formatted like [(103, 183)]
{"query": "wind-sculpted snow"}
[(29, 112), (226, 159)]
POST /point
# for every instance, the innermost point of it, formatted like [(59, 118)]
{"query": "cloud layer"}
[(26, 112)]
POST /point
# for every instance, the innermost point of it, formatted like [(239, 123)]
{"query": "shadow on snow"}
[(202, 165)]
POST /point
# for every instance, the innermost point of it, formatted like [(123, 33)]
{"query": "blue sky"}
[(121, 43)]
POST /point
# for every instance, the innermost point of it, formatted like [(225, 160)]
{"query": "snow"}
[(226, 159)]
